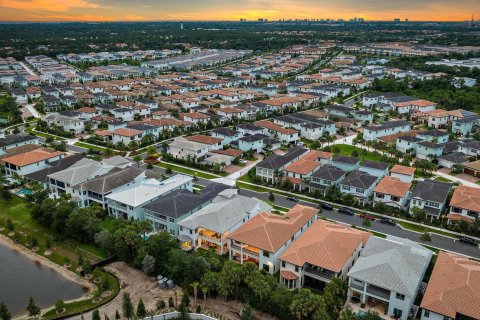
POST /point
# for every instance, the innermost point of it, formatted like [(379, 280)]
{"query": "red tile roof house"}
[(324, 251), (263, 238), (300, 171), (30, 161), (212, 142), (453, 289), (464, 205), (392, 192), (126, 135)]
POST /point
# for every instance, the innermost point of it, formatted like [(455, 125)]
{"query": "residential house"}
[(470, 148), (165, 212), (270, 169), (31, 161), (126, 135), (451, 159), (392, 192), (435, 136), (325, 251), (41, 176), (128, 202), (300, 171), (345, 163), (14, 141), (387, 128), (430, 196), (389, 272), (325, 177), (360, 185), (67, 121), (182, 148), (226, 134), (465, 204), (375, 168), (452, 291), (466, 125), (404, 173), (210, 226), (211, 142), (264, 238)]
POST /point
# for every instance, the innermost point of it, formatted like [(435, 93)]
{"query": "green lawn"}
[(442, 179), (423, 229), (88, 146), (191, 172), (346, 150), (43, 134)]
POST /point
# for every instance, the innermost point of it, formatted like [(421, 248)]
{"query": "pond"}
[(21, 278)]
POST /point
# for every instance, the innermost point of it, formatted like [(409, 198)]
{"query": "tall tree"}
[(32, 309), (141, 312), (127, 306), (96, 315), (4, 312)]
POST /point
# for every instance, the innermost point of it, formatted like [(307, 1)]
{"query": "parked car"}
[(292, 199), (367, 216), (346, 211), (325, 206), (388, 221), (468, 240)]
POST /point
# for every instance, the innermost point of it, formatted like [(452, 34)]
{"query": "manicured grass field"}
[(191, 172), (346, 150)]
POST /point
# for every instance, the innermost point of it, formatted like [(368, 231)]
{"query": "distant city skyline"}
[(186, 10)]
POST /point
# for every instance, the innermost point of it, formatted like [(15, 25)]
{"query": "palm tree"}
[(195, 292), (204, 292), (107, 153), (151, 151), (137, 159)]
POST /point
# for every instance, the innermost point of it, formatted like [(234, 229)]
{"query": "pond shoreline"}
[(37, 258)]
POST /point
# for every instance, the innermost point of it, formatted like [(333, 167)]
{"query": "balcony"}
[(356, 286), (244, 250), (378, 292), (208, 235), (322, 275)]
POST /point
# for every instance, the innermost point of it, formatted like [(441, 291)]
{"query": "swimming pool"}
[(24, 191)]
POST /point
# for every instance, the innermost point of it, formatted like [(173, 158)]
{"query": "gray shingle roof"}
[(432, 190), (224, 212), (359, 179), (180, 202), (375, 165), (15, 138), (329, 173), (278, 161), (55, 166), (393, 264)]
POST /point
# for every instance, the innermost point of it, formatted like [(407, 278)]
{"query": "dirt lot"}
[(139, 286)]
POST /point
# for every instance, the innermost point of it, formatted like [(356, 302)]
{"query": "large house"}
[(387, 128), (210, 226), (392, 192), (389, 272), (270, 169), (326, 177), (182, 148), (264, 238), (452, 291), (325, 251), (430, 196), (14, 141), (129, 201), (167, 211), (32, 161), (465, 204), (360, 185)]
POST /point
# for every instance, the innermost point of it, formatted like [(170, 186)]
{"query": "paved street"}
[(437, 241)]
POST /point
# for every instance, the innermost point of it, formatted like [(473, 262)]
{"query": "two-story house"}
[(264, 238), (465, 204), (326, 177), (31, 161), (430, 196), (389, 272), (392, 192), (271, 168), (360, 185), (210, 226), (326, 250)]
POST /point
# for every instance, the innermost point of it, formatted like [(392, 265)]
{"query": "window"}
[(296, 268), (266, 253), (426, 314), (360, 190), (345, 187), (283, 264), (397, 312), (400, 296)]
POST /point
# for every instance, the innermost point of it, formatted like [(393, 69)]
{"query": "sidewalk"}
[(457, 179)]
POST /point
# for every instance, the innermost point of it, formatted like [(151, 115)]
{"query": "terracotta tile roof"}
[(194, 115), (393, 186), (87, 110), (325, 244), (200, 138), (466, 198), (408, 171), (125, 132), (275, 127), (103, 133), (288, 275), (454, 287), (30, 157), (269, 232), (230, 152), (308, 163)]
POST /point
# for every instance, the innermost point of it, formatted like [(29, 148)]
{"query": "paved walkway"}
[(456, 179), (27, 68)]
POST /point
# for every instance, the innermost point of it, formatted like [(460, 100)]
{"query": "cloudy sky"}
[(138, 10)]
